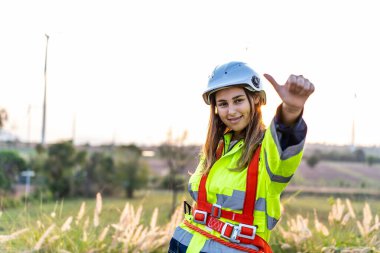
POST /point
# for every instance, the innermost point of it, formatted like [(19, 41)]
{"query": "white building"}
[(6, 136)]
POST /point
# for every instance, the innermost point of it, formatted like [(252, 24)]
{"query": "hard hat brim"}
[(206, 95)]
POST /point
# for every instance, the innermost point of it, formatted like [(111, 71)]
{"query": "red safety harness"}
[(209, 214)]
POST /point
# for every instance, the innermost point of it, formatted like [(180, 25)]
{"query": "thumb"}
[(275, 85)]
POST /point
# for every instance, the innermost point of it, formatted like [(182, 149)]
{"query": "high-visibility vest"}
[(209, 214), (226, 189)]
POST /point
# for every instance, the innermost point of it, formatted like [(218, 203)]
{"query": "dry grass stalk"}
[(103, 234), (136, 219), (81, 212), (85, 226), (298, 230), (328, 250), (153, 235), (153, 220), (53, 238), (376, 226), (124, 213), (123, 228), (336, 212), (166, 232), (5, 238), (285, 246), (96, 218), (66, 226), (85, 236), (131, 226), (137, 233), (367, 217), (53, 214), (345, 219), (86, 223), (350, 209), (175, 220), (98, 209), (63, 251), (319, 226), (374, 241), (361, 228), (40, 224), (365, 227), (43, 237), (98, 203), (134, 236)]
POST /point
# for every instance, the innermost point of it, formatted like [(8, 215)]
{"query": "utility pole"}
[(74, 128), (29, 123), (44, 104)]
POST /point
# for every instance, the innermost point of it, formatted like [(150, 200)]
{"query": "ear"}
[(256, 100), (216, 110)]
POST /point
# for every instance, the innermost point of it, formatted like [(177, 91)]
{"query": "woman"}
[(244, 167)]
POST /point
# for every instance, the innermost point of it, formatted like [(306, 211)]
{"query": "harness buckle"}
[(216, 210), (230, 232), (200, 217), (247, 231)]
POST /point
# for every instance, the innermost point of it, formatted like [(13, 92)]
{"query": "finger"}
[(311, 89), (274, 83), (291, 83), (307, 85), (300, 82), (308, 88), (305, 88)]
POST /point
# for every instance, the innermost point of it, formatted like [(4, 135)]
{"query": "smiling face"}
[(234, 108)]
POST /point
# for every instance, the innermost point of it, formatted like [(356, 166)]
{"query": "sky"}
[(131, 71)]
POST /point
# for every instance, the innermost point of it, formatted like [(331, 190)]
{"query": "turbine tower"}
[(44, 103)]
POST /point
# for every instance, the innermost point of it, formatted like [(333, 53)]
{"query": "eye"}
[(238, 101), (222, 104)]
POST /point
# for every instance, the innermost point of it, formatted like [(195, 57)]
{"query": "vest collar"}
[(227, 140)]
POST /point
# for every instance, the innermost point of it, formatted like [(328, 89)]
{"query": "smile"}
[(235, 119)]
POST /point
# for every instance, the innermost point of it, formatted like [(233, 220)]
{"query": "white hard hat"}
[(231, 74)]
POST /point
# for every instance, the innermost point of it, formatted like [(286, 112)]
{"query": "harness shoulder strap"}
[(250, 196)]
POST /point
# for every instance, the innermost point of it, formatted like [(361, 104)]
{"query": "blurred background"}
[(105, 97)]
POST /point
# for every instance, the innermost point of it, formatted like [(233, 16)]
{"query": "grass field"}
[(338, 174), (305, 205), (12, 219), (38, 218)]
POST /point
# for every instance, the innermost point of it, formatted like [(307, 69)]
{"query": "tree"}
[(98, 174), (59, 167), (11, 164), (177, 157), (3, 117), (132, 173), (312, 160), (37, 163), (359, 155)]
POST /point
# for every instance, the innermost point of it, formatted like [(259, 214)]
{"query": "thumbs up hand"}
[(293, 94)]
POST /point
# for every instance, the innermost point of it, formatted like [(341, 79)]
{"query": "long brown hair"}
[(253, 133)]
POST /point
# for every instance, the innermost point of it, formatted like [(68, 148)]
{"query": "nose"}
[(231, 110)]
